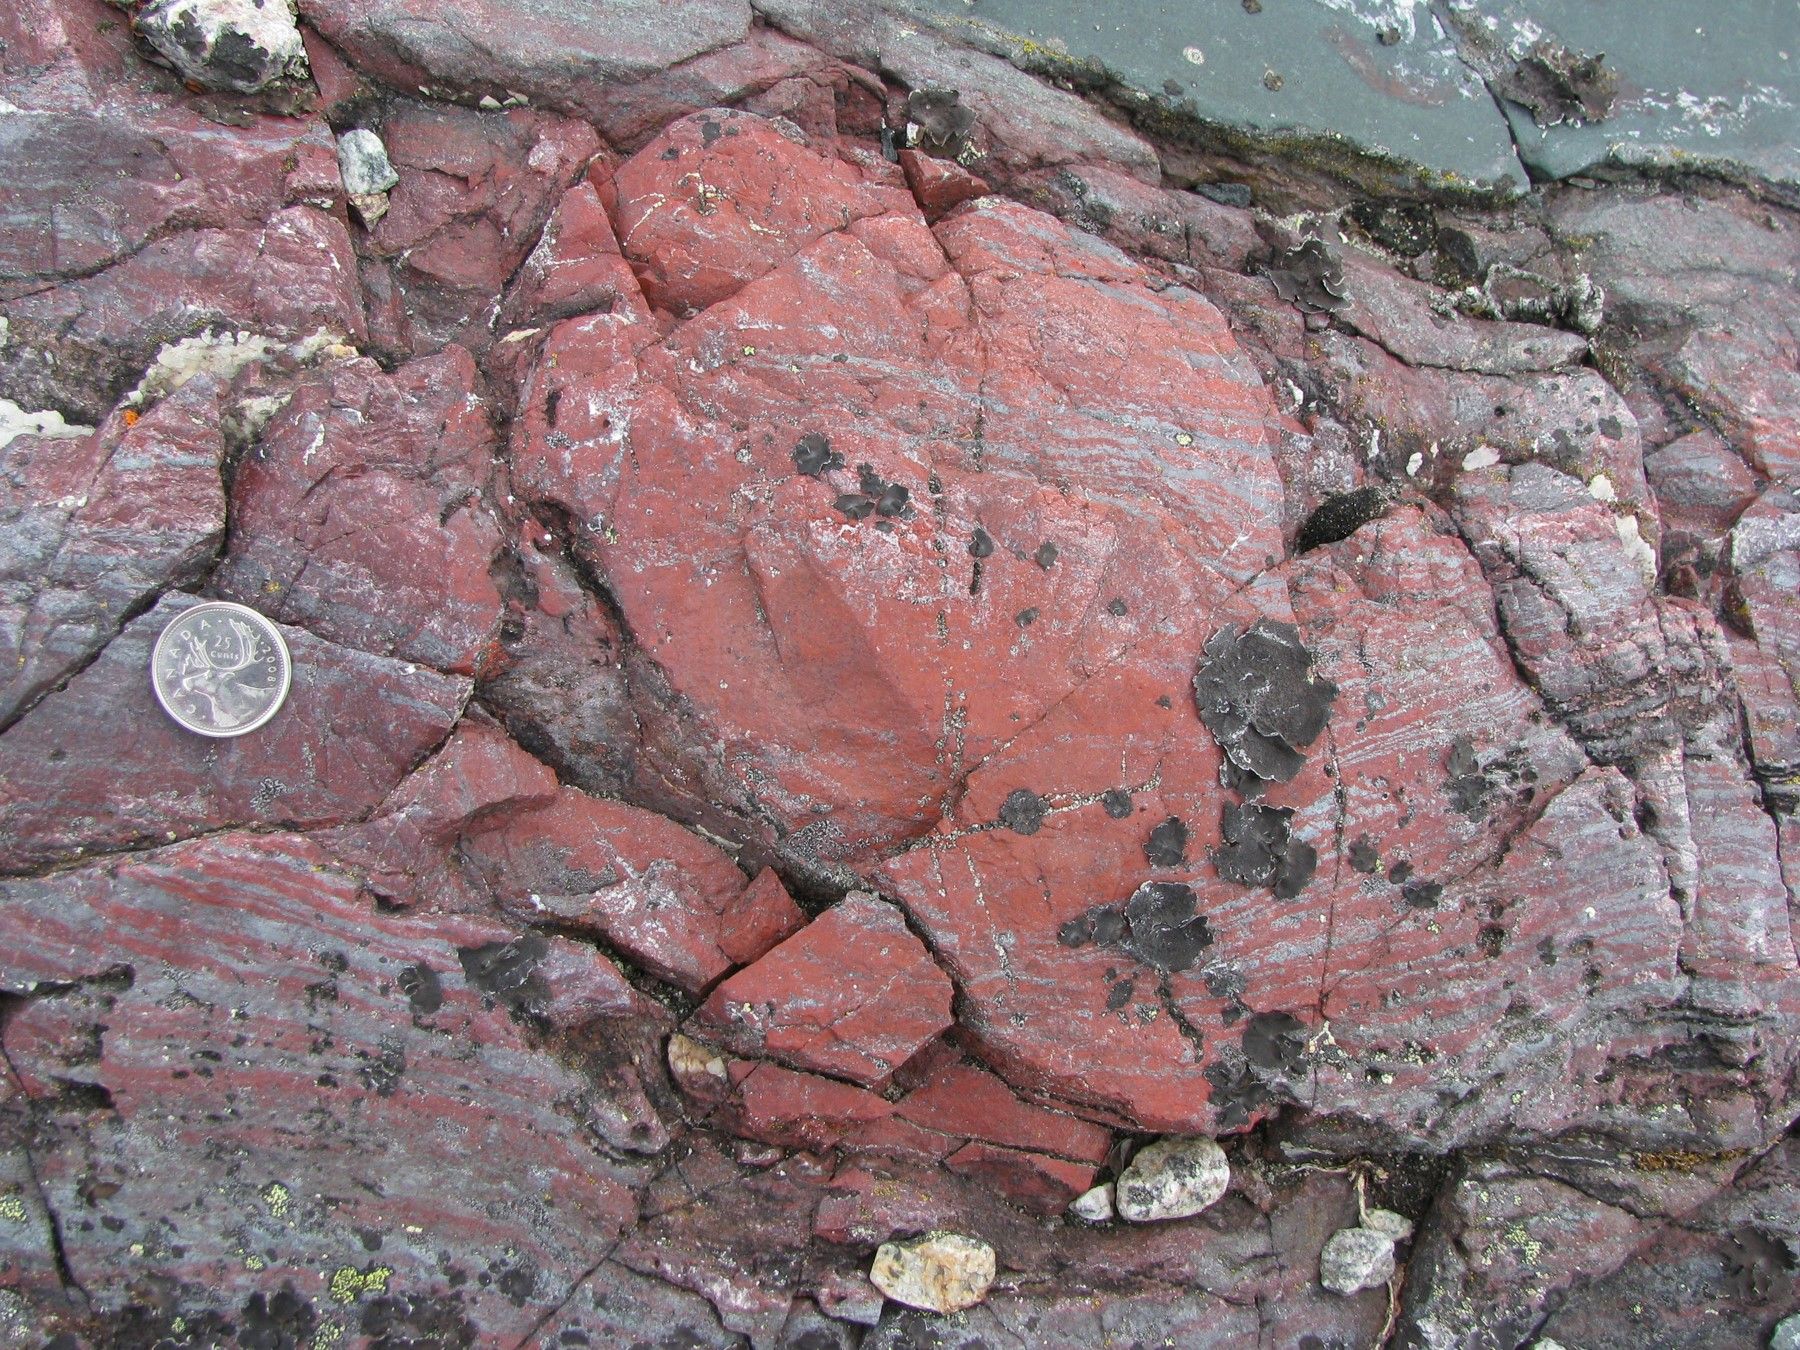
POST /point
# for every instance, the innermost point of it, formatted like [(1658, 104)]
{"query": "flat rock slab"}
[(99, 766), (222, 990), (853, 994), (1693, 86), (1385, 78)]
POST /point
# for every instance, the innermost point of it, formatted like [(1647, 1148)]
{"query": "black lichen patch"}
[(1399, 872), (1557, 85), (1045, 557), (875, 496), (1023, 811), (507, 971), (1476, 781), (854, 505), (1259, 849), (422, 988), (405, 1321), (1237, 1094), (1118, 996), (1341, 516), (1167, 845), (1405, 229), (1363, 857), (1116, 803), (1276, 1042), (1422, 894), (981, 544), (277, 1321), (1026, 617), (1164, 929), (940, 123), (1257, 694), (1158, 926), (814, 457), (1117, 608), (1310, 277)]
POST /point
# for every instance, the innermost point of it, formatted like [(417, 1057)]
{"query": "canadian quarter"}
[(220, 669)]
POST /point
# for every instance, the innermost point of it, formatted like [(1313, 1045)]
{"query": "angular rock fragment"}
[(240, 46), (1355, 1259), (98, 765), (367, 172), (939, 1272), (1172, 1179), (1258, 695), (853, 994), (1094, 1206), (660, 893)]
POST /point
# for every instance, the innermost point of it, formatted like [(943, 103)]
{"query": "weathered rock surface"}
[(98, 766), (854, 994), (362, 513), (860, 649)]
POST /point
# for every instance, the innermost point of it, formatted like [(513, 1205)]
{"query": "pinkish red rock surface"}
[(746, 793)]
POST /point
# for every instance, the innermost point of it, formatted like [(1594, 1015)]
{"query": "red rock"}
[(655, 891), (1031, 1180), (744, 1247), (475, 190), (381, 541), (363, 1023), (1021, 123), (709, 205), (402, 852), (98, 765), (1701, 485), (558, 678), (764, 915), (93, 527), (867, 758), (802, 1110), (961, 1099), (83, 343), (1703, 284), (853, 994), (582, 60), (576, 268), (940, 185)]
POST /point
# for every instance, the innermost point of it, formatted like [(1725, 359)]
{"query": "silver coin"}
[(220, 669)]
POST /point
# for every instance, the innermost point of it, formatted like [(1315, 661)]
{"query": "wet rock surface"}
[(861, 652)]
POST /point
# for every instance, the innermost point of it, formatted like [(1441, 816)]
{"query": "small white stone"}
[(1172, 1179), (1396, 1226), (1414, 463), (1096, 1206), (1481, 457), (1637, 548), (940, 1272), (1355, 1259), (364, 162), (1600, 488), (1786, 1335)]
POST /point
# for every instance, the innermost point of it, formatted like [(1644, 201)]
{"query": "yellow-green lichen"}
[(349, 1284), (278, 1198), (12, 1208)]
